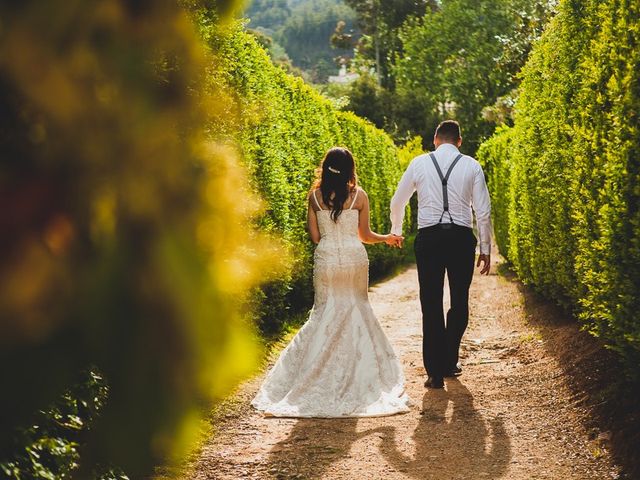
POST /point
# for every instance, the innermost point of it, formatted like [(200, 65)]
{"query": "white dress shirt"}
[(466, 187)]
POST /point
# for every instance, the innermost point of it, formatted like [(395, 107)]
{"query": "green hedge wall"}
[(285, 127), (565, 179)]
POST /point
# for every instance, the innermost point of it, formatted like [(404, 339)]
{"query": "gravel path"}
[(511, 414)]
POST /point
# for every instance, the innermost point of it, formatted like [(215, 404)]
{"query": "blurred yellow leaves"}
[(27, 284), (136, 249), (103, 219)]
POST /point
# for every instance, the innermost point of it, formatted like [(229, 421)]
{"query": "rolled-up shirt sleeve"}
[(405, 189), (482, 208)]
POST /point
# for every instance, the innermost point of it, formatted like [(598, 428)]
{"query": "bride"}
[(340, 364)]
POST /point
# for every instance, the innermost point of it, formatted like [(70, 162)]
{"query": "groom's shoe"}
[(434, 382), (454, 372)]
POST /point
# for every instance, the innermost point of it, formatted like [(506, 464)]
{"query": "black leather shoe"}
[(454, 372), (434, 382)]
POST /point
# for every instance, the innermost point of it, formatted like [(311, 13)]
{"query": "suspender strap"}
[(445, 179)]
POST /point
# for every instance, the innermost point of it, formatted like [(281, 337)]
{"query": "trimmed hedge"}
[(565, 180), (285, 127)]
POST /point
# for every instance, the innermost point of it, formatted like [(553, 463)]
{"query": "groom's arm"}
[(482, 207), (405, 189)]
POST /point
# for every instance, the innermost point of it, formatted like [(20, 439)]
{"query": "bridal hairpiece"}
[(333, 170)]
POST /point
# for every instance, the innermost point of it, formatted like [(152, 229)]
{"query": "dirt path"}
[(511, 414)]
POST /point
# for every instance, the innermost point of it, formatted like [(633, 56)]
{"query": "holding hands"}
[(394, 240)]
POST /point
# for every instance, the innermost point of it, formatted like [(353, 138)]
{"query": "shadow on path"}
[(593, 374), (452, 440), (312, 445)]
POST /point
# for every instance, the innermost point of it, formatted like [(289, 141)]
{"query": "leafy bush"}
[(565, 179), (285, 127), (406, 153), (49, 448), (496, 156)]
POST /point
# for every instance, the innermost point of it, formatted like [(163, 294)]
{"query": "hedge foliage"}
[(120, 213), (284, 128), (127, 227), (565, 179)]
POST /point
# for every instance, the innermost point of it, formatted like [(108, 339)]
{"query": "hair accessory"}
[(333, 170)]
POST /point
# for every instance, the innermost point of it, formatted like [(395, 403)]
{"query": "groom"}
[(450, 186)]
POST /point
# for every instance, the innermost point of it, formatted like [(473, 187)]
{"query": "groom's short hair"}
[(448, 131)]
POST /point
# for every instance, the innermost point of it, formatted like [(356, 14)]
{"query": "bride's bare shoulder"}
[(362, 193), (361, 198), (314, 198)]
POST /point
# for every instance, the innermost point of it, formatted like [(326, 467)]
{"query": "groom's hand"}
[(399, 240), (485, 260)]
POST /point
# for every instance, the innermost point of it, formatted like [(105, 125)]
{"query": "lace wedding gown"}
[(340, 364)]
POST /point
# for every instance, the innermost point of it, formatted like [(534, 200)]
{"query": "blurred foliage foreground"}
[(128, 250), (124, 239)]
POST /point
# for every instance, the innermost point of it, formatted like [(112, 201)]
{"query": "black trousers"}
[(439, 250)]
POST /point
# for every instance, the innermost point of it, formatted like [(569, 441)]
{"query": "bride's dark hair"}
[(337, 176)]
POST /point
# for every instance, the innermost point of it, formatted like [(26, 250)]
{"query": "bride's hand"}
[(394, 240)]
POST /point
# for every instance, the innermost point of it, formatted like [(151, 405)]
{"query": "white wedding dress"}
[(340, 364)]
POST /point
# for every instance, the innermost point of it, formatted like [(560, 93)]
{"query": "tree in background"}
[(306, 34), (270, 14), (380, 21), (303, 28), (368, 99), (436, 60), (463, 58), (344, 41)]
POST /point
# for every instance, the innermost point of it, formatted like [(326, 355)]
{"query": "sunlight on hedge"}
[(126, 224), (284, 128), (564, 179)]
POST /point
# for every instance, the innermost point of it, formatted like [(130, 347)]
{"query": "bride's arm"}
[(312, 223), (364, 226)]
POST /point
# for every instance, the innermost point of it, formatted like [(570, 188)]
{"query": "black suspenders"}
[(445, 178)]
